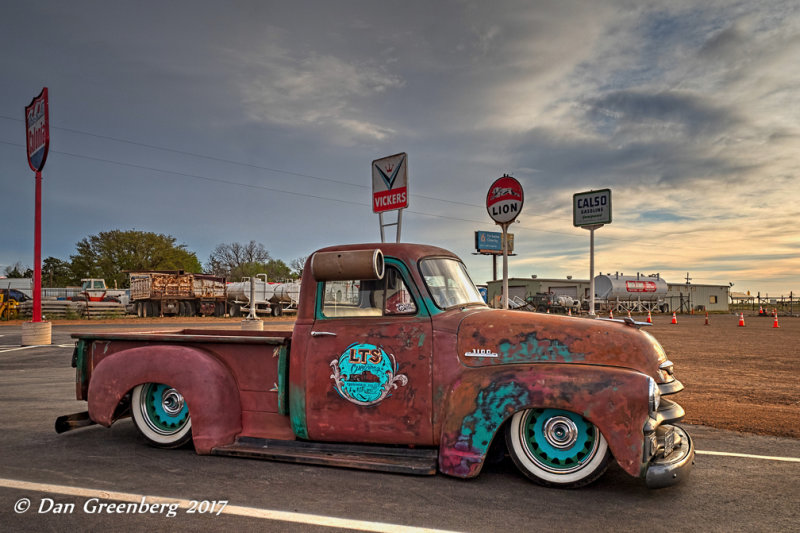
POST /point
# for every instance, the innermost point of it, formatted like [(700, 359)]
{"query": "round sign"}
[(504, 200)]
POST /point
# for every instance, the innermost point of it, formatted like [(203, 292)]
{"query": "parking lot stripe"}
[(749, 456), (18, 348), (249, 512), (3, 348)]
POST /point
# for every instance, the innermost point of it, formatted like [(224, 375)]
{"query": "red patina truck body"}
[(396, 364)]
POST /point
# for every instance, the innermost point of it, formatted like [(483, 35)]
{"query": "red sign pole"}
[(37, 126), (37, 252)]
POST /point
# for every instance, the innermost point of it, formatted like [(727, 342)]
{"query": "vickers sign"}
[(390, 183)]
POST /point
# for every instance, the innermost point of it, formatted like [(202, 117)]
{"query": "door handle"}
[(322, 334)]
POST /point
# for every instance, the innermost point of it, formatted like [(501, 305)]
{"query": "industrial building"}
[(644, 293)]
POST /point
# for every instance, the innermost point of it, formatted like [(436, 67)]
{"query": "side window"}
[(363, 298)]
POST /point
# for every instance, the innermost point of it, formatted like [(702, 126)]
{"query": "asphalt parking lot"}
[(109, 479)]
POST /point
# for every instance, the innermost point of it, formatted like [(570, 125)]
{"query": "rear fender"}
[(613, 399), (207, 385)]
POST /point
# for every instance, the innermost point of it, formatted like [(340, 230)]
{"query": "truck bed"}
[(257, 360), (191, 335)]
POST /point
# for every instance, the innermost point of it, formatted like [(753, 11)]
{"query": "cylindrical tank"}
[(615, 286), (240, 291), (286, 293), (349, 264)]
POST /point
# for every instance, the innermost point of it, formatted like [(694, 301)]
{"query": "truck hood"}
[(496, 337)]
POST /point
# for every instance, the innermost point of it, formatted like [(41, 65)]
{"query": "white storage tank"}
[(240, 291), (639, 287), (286, 293)]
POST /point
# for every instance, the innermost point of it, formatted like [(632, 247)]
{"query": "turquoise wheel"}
[(557, 448), (161, 415)]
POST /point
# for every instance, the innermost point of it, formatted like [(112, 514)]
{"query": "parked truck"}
[(548, 302), (396, 364), (175, 292)]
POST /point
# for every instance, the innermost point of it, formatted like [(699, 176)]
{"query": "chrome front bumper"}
[(674, 467)]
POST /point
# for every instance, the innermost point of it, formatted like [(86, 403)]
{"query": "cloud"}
[(634, 114), (301, 89)]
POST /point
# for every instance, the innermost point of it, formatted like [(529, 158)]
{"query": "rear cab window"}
[(388, 296)]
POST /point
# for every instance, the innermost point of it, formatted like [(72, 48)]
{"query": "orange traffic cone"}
[(775, 324), (649, 318), (741, 320), (706, 318), (610, 314), (674, 318), (569, 312), (629, 313)]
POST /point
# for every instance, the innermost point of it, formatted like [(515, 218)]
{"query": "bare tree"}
[(297, 265), (234, 260)]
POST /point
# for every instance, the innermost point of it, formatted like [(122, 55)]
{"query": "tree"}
[(297, 266), (276, 270), (108, 253), (17, 270), (58, 273), (235, 260)]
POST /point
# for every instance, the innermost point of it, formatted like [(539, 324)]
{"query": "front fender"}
[(208, 387), (615, 400)]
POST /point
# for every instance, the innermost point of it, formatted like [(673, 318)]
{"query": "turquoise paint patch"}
[(494, 405), (297, 410), (537, 350), (431, 306), (319, 300), (421, 340)]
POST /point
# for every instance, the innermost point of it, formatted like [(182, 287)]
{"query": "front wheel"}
[(557, 448), (161, 415)]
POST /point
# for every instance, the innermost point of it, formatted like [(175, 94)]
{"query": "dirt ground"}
[(738, 378)]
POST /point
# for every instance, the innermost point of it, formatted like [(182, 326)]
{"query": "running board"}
[(398, 460)]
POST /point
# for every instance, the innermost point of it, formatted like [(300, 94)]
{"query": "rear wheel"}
[(557, 448), (161, 415)]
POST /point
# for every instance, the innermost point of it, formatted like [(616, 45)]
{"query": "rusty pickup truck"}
[(396, 364)]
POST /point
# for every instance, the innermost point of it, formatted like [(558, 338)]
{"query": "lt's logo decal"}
[(365, 374)]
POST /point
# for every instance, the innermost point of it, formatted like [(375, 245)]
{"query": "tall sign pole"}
[(390, 189), (504, 203), (591, 210), (37, 126)]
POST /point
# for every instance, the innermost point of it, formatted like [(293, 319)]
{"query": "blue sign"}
[(491, 242)]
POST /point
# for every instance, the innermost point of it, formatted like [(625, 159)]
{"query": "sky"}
[(221, 122)]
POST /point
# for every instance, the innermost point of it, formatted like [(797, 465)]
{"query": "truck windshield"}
[(449, 283)]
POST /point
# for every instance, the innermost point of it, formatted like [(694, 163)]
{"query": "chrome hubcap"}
[(560, 432), (172, 402)]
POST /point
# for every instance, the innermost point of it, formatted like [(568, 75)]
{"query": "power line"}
[(238, 163), (318, 197)]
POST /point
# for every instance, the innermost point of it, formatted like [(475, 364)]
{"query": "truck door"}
[(369, 362)]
